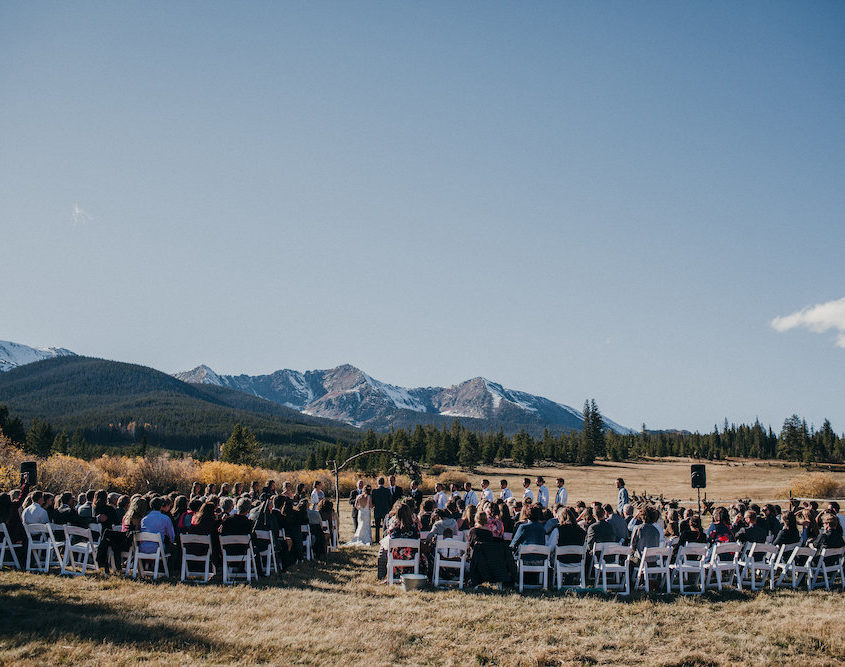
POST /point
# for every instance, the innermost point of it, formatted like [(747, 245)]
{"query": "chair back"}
[(400, 542), (507, 536), (724, 548), (571, 550), (659, 554), (451, 543), (75, 534), (533, 549), (692, 553), (761, 552), (617, 551), (37, 532), (142, 536), (189, 538)]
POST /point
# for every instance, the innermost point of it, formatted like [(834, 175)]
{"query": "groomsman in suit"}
[(486, 492), (561, 495), (470, 497), (381, 505), (415, 494), (506, 492), (395, 491), (357, 491)]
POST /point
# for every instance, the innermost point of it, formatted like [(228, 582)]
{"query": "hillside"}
[(117, 403)]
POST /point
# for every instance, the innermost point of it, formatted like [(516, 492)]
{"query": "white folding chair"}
[(654, 561), (724, 558), (393, 563), (208, 569), (158, 556), (598, 547), (691, 560), (757, 558), (458, 564), (563, 569), (306, 541), (245, 560), (800, 564), (58, 537), (525, 557), (612, 560), (80, 552), (836, 567), (39, 548), (784, 553), (331, 541), (6, 545), (269, 553), (96, 532)]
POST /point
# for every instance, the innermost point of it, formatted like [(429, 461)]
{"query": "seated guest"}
[(806, 520), (156, 522), (238, 524), (788, 534), (104, 513), (693, 534), (673, 524), (599, 531), (719, 530), (683, 526), (35, 512), (448, 553), (121, 506), (85, 509), (138, 508), (530, 532), (180, 507), (567, 533), (646, 535), (480, 532), (467, 520), (588, 517), (442, 521), (829, 537), (404, 527), (494, 523), (325, 509), (620, 526), (505, 515), (755, 530), (65, 512), (427, 515), (185, 520)]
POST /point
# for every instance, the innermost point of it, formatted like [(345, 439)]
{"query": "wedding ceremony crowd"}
[(527, 537)]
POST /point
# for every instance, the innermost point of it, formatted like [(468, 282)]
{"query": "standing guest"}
[(505, 494), (416, 495), (527, 493), (157, 522), (622, 497), (317, 494), (470, 496), (353, 496), (486, 491), (561, 495), (454, 494), (381, 505), (395, 491), (542, 492), (440, 496)]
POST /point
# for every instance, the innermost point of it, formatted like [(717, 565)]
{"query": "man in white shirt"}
[(470, 497), (454, 494), (317, 494), (440, 497), (486, 493), (561, 495), (542, 492), (36, 513), (506, 492), (527, 494)]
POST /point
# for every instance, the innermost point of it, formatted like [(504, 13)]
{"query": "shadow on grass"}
[(31, 616)]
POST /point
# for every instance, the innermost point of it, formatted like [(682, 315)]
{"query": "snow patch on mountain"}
[(13, 355), (399, 396)]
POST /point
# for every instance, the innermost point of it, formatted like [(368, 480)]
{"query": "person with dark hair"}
[(693, 534), (829, 537), (382, 503), (646, 535), (426, 515), (600, 531), (834, 507), (567, 533), (622, 497), (531, 531), (300, 493), (505, 493), (353, 496), (494, 522), (756, 529), (527, 493), (486, 491), (238, 524), (35, 512), (157, 522), (416, 495), (317, 494), (620, 526), (442, 521), (561, 495), (719, 530), (542, 492), (65, 512), (789, 533)]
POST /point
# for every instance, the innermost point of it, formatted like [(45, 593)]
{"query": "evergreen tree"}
[(597, 429), (78, 445), (241, 447), (468, 453), (792, 441), (61, 443), (39, 438), (311, 461), (586, 453)]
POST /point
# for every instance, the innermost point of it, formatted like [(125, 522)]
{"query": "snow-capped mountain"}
[(13, 355), (348, 394)]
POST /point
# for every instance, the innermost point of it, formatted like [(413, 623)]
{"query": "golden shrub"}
[(9, 478), (815, 485), (60, 473)]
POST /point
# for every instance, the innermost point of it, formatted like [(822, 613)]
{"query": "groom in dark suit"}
[(396, 492), (382, 502)]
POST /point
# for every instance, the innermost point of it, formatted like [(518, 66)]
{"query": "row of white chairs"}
[(692, 571), (75, 552)]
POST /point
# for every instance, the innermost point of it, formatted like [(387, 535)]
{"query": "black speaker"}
[(29, 468), (698, 476)]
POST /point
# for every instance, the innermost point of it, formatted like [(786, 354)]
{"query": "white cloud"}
[(79, 216), (819, 318)]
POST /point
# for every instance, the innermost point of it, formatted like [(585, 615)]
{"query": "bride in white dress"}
[(364, 505)]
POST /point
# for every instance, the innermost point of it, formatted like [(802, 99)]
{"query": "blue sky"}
[(612, 200)]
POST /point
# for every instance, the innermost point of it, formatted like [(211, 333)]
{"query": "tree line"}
[(459, 445)]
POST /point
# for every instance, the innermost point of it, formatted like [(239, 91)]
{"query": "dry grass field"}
[(336, 612)]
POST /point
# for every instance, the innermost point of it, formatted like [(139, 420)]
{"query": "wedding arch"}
[(398, 465)]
